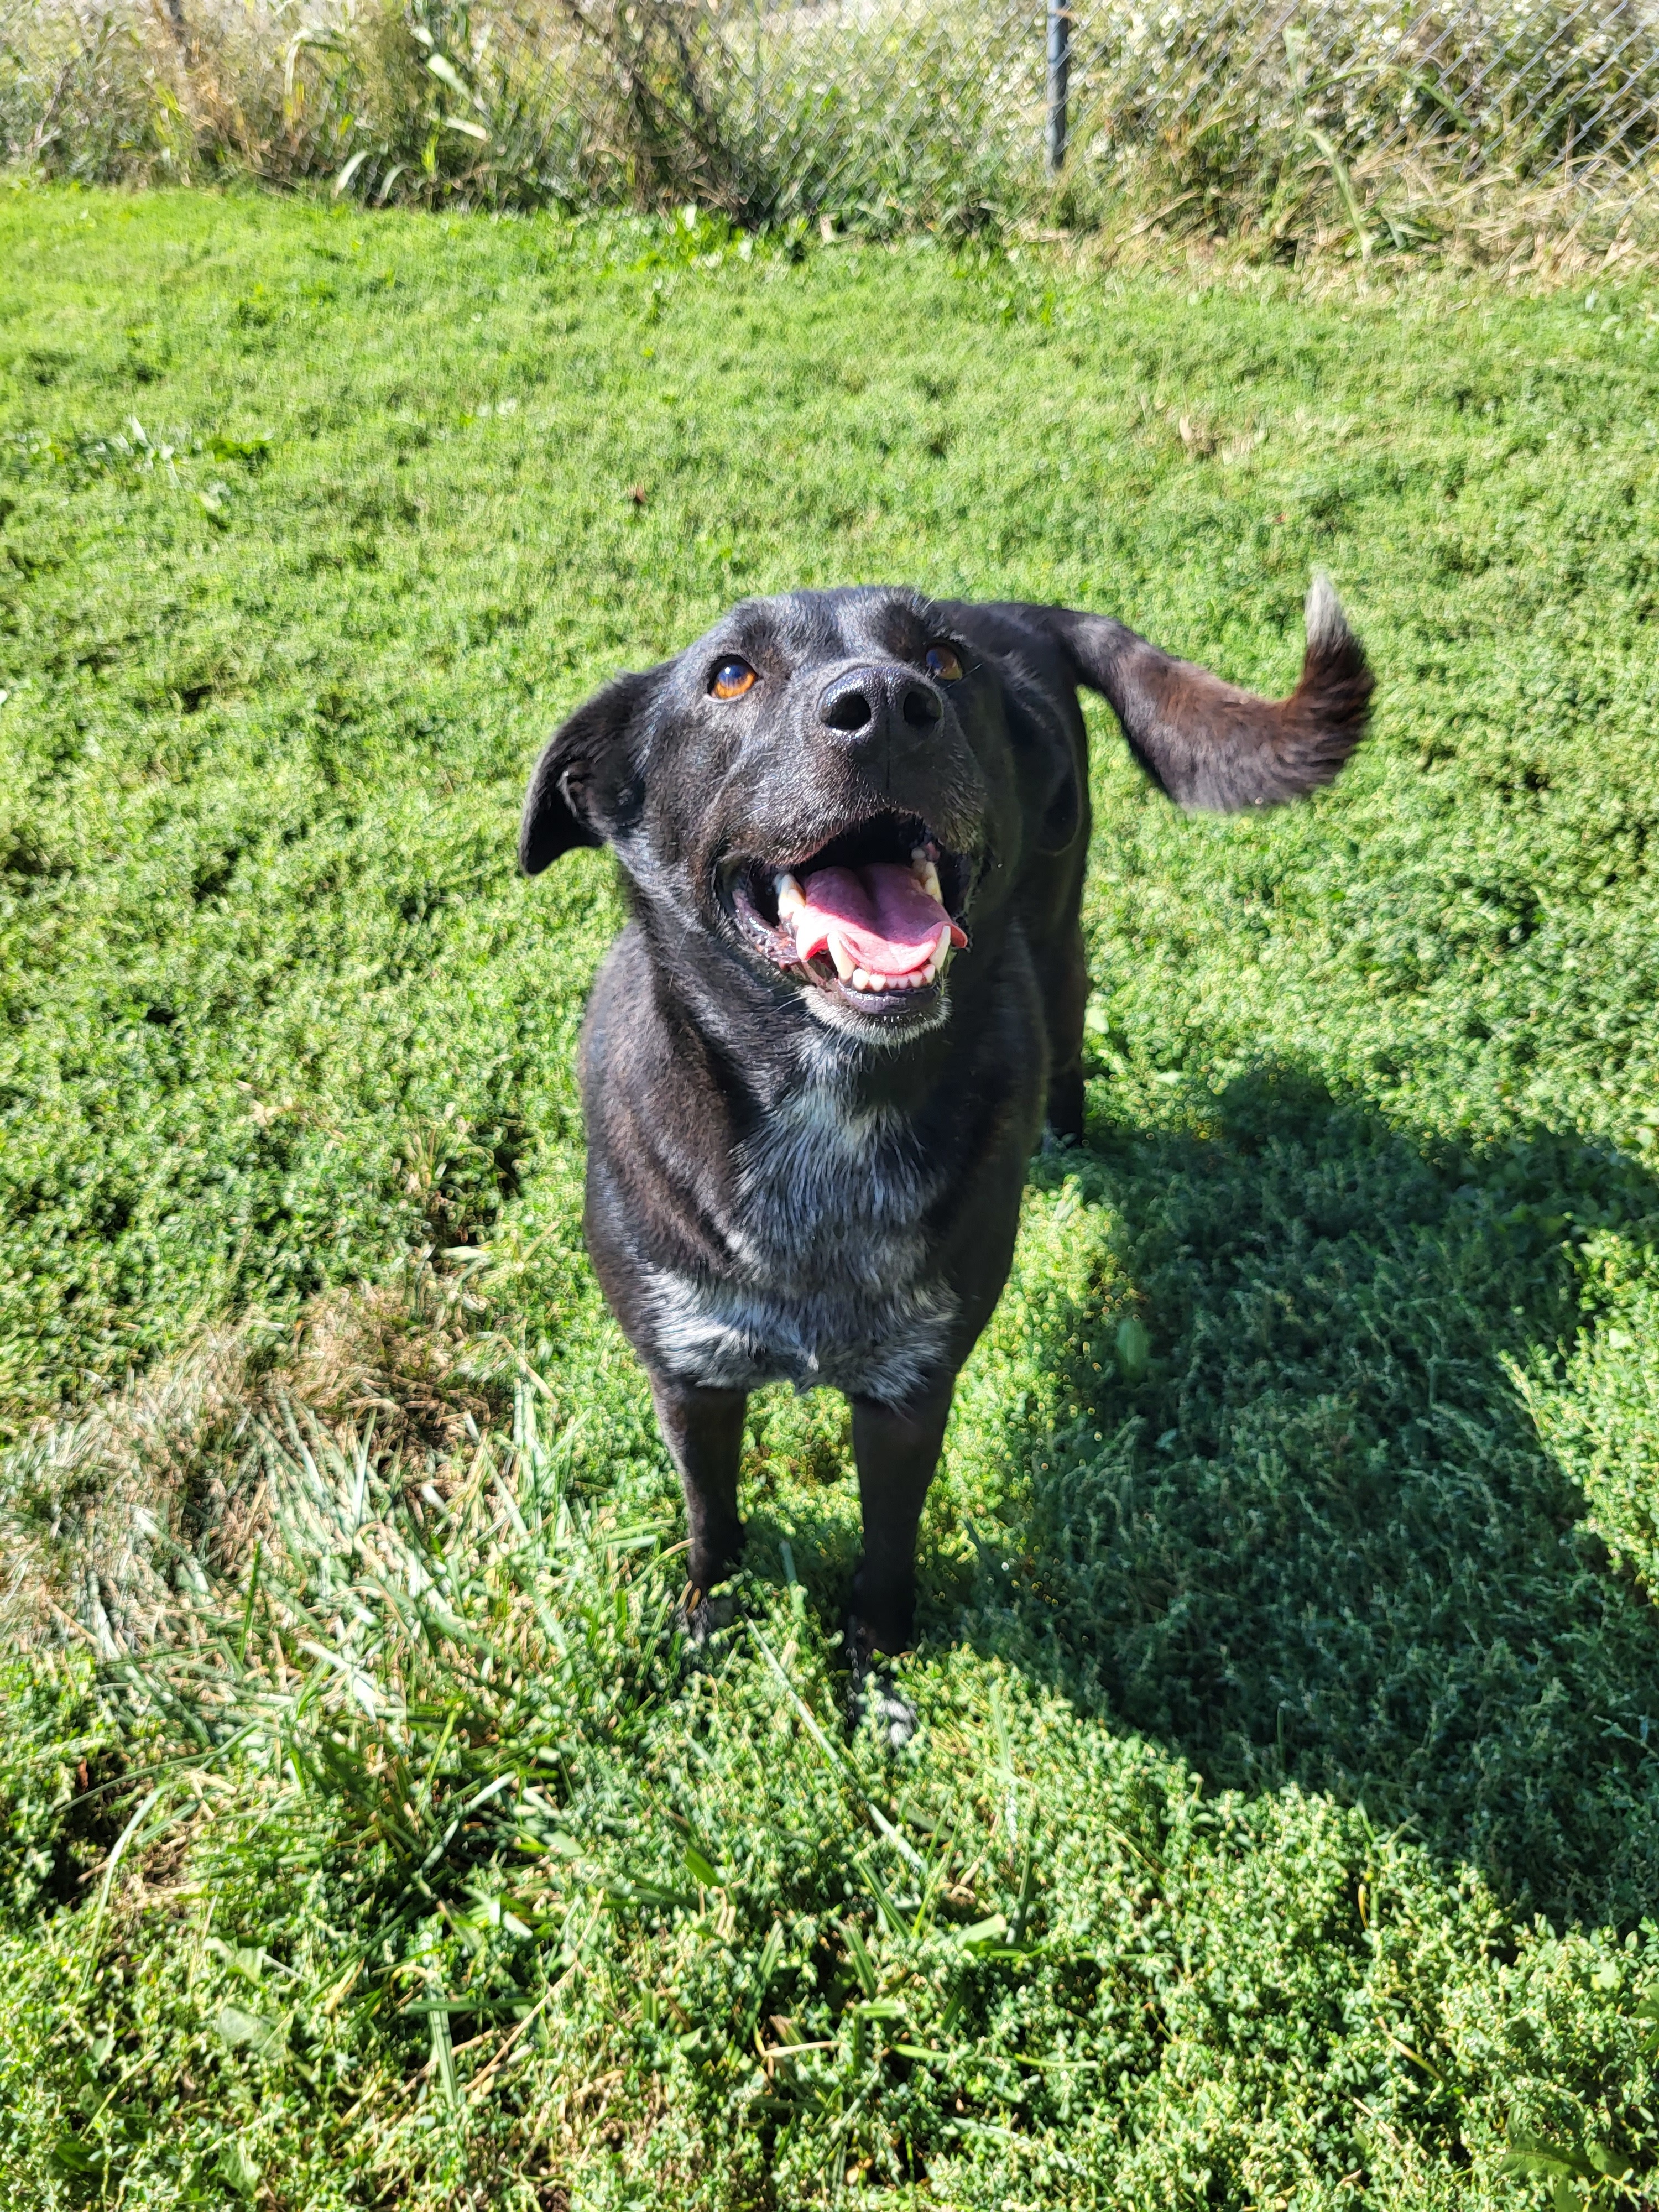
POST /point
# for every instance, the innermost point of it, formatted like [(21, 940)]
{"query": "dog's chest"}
[(830, 1278)]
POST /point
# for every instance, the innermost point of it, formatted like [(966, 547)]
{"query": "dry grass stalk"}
[(1492, 143), (103, 1512)]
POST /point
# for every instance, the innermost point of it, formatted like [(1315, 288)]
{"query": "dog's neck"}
[(772, 1047)]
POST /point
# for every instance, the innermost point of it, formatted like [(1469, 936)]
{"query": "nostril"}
[(921, 708), (847, 710)]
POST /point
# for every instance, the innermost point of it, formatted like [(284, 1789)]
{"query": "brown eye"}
[(944, 663), (731, 679)]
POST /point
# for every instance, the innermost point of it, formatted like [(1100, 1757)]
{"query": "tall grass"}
[(1235, 118)]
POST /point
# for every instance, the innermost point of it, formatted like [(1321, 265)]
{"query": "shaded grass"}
[(1310, 1453), (1317, 1538)]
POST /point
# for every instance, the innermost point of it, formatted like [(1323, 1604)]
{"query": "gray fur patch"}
[(829, 1285)]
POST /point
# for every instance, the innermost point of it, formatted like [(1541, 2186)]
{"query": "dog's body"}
[(800, 1168)]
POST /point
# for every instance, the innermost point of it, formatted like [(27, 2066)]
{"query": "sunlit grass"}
[(1284, 1821)]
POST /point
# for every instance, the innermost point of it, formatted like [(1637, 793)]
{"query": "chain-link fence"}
[(1270, 115)]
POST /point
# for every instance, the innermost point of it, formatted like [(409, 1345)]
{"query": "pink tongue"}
[(887, 923)]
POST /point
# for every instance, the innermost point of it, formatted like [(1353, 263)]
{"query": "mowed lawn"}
[(1283, 1826)]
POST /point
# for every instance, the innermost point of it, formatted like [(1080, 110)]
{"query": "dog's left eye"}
[(731, 679), (944, 663)]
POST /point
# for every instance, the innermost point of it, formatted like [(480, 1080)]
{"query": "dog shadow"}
[(1283, 1508)]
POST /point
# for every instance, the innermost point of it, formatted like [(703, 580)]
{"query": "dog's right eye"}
[(731, 679)]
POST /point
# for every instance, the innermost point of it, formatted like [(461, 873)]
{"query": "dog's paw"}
[(878, 1705), (874, 1699), (703, 1613)]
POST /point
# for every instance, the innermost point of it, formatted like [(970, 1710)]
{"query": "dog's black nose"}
[(868, 704)]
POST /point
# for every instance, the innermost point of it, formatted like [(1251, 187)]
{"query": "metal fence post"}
[(1059, 75)]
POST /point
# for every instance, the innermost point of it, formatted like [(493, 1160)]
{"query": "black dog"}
[(853, 828)]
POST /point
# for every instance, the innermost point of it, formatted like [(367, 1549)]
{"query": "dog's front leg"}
[(704, 1433), (897, 1449)]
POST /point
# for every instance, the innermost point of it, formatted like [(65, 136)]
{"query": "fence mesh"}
[(872, 112)]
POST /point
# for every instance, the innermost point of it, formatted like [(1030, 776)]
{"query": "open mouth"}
[(871, 916)]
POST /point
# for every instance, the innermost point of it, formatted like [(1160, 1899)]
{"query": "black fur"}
[(786, 1180)]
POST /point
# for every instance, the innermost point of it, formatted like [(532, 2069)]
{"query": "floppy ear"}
[(1209, 745), (583, 784)]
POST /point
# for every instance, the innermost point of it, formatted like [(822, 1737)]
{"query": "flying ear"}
[(584, 784), (1209, 745)]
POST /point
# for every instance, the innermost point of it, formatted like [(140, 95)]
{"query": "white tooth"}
[(924, 874), (844, 965), (791, 897), (860, 981)]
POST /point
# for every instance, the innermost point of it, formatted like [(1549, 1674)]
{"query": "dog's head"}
[(833, 786), (834, 789)]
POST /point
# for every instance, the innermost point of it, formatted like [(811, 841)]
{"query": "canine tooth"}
[(845, 964), (791, 897)]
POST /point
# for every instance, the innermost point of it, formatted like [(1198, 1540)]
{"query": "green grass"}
[(1283, 1826)]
